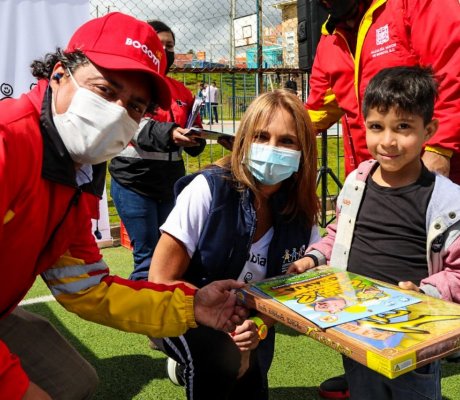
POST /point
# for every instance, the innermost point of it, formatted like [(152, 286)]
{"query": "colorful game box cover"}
[(391, 342), (330, 297)]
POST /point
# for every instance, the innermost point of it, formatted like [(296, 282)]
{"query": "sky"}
[(197, 24)]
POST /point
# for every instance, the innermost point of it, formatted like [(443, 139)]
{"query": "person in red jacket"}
[(54, 142), (360, 38), (144, 173)]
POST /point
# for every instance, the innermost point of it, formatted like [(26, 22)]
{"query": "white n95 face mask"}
[(271, 165), (93, 129)]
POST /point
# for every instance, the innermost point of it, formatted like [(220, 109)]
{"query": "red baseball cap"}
[(118, 41)]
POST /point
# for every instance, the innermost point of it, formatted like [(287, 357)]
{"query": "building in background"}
[(289, 32)]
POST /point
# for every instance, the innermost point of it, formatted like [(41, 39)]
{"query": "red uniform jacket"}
[(45, 228)]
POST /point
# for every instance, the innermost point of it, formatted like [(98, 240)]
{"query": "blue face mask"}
[(271, 165)]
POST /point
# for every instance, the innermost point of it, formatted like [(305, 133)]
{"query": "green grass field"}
[(129, 369)]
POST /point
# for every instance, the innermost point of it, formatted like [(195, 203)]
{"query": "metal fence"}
[(221, 33)]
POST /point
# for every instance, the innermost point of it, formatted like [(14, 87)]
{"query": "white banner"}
[(29, 29)]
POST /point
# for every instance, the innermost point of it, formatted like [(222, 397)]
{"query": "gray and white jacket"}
[(442, 225)]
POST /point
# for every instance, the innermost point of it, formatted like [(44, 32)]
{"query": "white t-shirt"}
[(255, 268), (213, 94), (187, 219)]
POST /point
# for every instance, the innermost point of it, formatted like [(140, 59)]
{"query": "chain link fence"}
[(256, 38)]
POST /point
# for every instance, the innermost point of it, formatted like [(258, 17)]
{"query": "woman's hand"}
[(301, 265), (245, 336)]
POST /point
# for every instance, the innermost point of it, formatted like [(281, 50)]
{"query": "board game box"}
[(390, 330)]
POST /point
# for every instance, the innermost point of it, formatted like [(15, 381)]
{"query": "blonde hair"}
[(301, 186)]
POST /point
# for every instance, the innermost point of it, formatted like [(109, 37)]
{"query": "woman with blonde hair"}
[(245, 217)]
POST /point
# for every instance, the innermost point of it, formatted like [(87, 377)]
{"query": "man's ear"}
[(431, 128), (57, 74)]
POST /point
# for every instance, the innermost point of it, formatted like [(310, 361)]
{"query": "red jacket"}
[(181, 105), (391, 33), (46, 229)]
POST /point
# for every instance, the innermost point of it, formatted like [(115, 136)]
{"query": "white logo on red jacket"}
[(383, 42), (382, 35)]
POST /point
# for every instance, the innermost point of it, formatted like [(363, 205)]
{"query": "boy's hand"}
[(299, 266), (408, 285)]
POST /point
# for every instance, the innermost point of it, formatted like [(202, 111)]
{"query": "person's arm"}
[(80, 281), (319, 250), (156, 136), (322, 106), (169, 261), (196, 150), (446, 283), (437, 46)]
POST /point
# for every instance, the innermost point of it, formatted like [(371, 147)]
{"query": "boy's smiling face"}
[(396, 141)]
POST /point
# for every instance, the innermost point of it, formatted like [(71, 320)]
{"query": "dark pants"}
[(424, 383), (211, 109), (212, 361), (47, 358), (215, 112), (142, 217)]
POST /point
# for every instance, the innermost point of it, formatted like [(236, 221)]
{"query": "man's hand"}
[(180, 139), (436, 162), (216, 307), (301, 265), (408, 285), (35, 392)]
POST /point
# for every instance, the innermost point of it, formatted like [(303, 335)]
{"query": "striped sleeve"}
[(142, 307)]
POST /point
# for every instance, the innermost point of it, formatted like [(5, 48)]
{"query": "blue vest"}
[(225, 241)]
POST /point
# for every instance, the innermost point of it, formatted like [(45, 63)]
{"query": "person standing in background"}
[(201, 95), (360, 38), (144, 173), (214, 100)]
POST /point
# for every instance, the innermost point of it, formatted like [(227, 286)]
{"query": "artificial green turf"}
[(129, 369)]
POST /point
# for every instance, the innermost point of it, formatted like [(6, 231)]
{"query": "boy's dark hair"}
[(410, 90)]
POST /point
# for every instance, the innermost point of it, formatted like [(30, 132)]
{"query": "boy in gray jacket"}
[(396, 221)]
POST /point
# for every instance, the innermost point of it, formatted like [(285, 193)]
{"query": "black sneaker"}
[(334, 388), (175, 372)]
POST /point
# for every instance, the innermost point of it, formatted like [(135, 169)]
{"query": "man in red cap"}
[(54, 142)]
